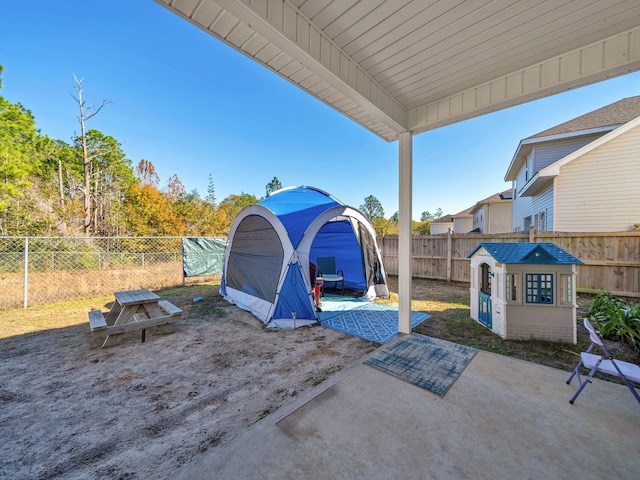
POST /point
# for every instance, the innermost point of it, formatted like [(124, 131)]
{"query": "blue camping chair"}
[(327, 270), (605, 364)]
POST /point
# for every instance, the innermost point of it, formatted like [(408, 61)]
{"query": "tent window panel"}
[(255, 259)]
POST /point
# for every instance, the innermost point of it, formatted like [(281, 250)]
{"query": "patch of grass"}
[(189, 289), (210, 311), (263, 414), (317, 377), (448, 307), (456, 300), (37, 318)]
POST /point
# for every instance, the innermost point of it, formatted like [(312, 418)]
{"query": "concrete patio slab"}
[(503, 418)]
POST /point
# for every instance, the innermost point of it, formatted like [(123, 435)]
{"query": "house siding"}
[(518, 207), (499, 218), (542, 156), (599, 191), (524, 207), (441, 228), (463, 225), (543, 203), (550, 152), (478, 218), (519, 204)]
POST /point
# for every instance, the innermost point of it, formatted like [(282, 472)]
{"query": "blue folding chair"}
[(327, 270), (605, 364)]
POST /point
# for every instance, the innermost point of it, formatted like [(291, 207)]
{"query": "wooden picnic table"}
[(134, 310)]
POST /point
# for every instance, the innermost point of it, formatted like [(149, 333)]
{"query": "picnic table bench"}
[(134, 310)]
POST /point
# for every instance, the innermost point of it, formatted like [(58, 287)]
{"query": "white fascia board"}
[(542, 79), (563, 136), (515, 165)]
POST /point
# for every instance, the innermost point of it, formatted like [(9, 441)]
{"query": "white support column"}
[(404, 237)]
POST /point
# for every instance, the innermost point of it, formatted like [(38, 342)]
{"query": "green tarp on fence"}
[(203, 256)]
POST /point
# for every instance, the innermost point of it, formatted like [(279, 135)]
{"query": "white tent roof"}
[(398, 66)]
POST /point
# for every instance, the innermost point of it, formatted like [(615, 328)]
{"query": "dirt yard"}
[(70, 409)]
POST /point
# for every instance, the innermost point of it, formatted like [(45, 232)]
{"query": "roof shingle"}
[(617, 113), (525, 252)]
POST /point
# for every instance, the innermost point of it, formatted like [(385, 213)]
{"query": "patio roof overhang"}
[(403, 67), (398, 66)]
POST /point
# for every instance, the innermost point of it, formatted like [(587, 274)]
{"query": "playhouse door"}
[(484, 309)]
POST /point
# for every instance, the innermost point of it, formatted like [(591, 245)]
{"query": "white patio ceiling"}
[(397, 66)]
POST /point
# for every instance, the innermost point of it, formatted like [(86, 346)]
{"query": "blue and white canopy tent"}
[(271, 245)]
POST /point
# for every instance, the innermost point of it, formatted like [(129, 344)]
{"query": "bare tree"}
[(147, 173), (86, 112)]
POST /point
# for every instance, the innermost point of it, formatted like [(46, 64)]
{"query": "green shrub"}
[(616, 317)]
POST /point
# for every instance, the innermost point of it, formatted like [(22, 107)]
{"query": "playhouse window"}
[(485, 280), (511, 287), (566, 289), (539, 288)]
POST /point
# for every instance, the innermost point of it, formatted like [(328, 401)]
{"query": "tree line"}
[(89, 187), (372, 208)]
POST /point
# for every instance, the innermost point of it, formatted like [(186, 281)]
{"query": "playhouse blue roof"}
[(297, 207), (525, 252)]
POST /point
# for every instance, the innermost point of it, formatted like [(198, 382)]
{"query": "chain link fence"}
[(41, 270)]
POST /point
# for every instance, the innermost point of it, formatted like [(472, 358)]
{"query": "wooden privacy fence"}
[(611, 260)]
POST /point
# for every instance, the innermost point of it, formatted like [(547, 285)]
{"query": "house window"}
[(529, 167), (539, 288), (511, 287), (527, 222), (542, 225)]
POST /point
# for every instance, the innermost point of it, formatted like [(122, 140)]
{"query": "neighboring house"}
[(461, 222), (582, 175), (493, 214)]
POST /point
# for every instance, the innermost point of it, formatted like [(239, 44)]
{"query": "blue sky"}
[(195, 107)]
